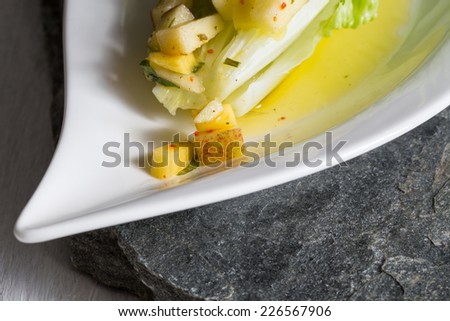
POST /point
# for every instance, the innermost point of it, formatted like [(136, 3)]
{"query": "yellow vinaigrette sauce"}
[(325, 90)]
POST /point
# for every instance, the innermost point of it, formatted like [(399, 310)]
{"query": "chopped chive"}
[(197, 67), (191, 167), (202, 37), (171, 23), (231, 62), (151, 75)]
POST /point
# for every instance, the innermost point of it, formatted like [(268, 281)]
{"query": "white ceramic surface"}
[(106, 96)]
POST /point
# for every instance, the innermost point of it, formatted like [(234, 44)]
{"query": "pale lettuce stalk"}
[(349, 14), (174, 98), (251, 93), (254, 50), (264, 60)]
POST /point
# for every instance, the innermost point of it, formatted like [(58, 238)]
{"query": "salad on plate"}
[(221, 58)]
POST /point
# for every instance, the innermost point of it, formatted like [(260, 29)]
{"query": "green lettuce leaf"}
[(351, 14)]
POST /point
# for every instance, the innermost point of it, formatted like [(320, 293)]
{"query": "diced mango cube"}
[(168, 160), (183, 64)]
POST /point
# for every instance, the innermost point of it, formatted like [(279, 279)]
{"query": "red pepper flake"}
[(211, 51), (196, 133), (282, 118), (191, 79), (210, 131), (275, 18), (172, 146), (283, 5)]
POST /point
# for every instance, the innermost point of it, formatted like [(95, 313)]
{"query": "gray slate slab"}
[(378, 229)]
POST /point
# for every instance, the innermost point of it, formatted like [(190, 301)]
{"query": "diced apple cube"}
[(269, 15), (189, 36), (175, 17), (215, 147), (166, 5), (209, 112), (275, 15), (223, 119)]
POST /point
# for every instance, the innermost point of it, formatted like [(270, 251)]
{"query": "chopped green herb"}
[(192, 166), (231, 62), (151, 75), (171, 22), (202, 37), (197, 67)]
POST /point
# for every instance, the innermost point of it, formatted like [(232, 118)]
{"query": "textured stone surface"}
[(375, 230), (378, 229)]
